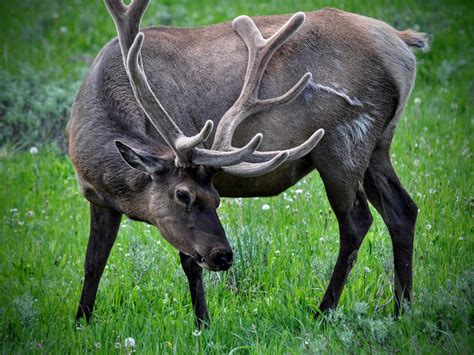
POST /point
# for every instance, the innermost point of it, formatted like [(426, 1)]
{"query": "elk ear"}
[(141, 160)]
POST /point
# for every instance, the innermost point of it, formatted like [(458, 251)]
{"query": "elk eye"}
[(183, 197)]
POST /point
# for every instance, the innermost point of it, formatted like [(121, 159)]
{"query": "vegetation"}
[(285, 246)]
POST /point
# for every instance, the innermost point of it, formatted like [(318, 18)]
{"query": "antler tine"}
[(293, 153), (127, 21), (226, 158), (251, 170), (295, 91), (260, 49)]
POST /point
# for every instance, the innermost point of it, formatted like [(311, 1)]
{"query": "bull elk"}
[(352, 76)]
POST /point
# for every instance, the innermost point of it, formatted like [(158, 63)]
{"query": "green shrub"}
[(34, 109)]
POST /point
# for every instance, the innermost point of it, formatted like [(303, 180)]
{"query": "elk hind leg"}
[(399, 212)]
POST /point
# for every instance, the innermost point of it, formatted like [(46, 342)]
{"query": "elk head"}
[(184, 201)]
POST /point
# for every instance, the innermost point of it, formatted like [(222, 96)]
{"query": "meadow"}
[(285, 247)]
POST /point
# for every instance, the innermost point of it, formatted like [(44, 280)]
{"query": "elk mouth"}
[(199, 259), (202, 263)]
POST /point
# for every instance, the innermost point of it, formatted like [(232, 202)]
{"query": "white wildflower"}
[(33, 150), (63, 29), (197, 333), (265, 207), (298, 191), (460, 238), (129, 342), (367, 270), (417, 100)]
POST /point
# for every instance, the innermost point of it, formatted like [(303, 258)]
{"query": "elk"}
[(351, 78)]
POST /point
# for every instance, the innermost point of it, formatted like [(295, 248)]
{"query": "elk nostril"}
[(221, 262), (225, 260)]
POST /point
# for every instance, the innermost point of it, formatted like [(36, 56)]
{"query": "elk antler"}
[(245, 161), (186, 150), (260, 51), (127, 21)]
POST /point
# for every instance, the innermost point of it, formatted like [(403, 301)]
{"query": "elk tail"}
[(416, 40)]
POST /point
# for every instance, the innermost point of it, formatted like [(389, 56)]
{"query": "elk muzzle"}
[(218, 259)]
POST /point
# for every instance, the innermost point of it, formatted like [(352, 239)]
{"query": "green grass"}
[(284, 255)]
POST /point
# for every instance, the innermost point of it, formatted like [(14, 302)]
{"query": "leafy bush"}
[(34, 109)]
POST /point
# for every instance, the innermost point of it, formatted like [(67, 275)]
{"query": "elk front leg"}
[(196, 286), (354, 222), (103, 231)]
